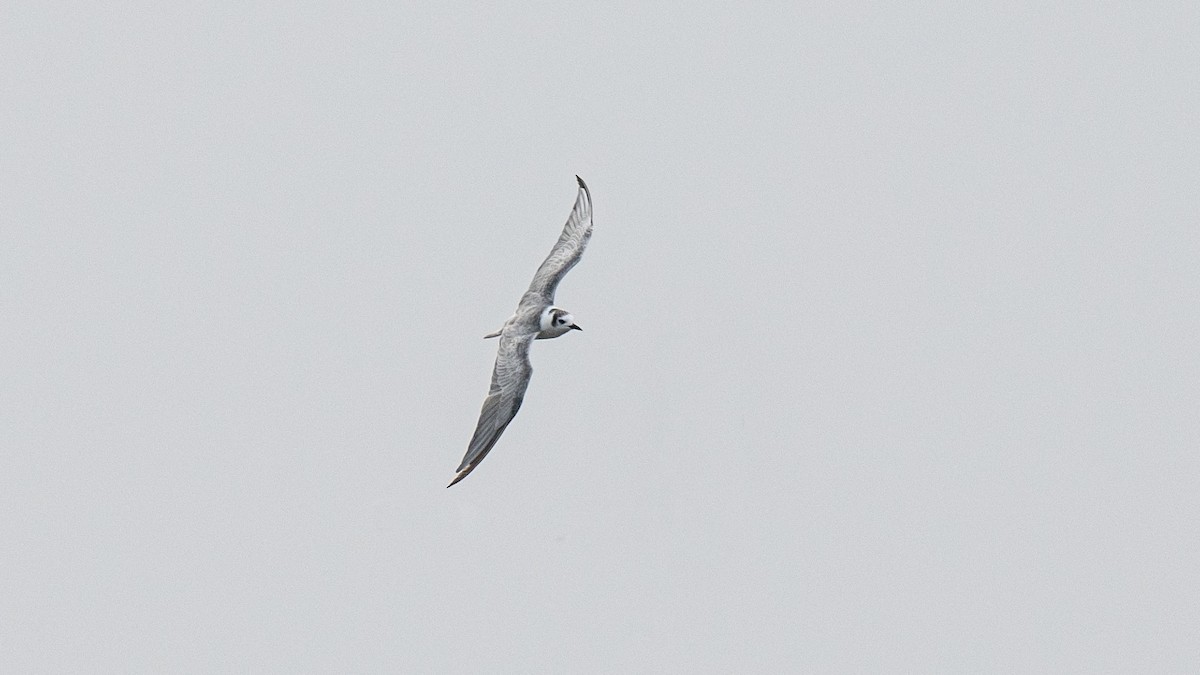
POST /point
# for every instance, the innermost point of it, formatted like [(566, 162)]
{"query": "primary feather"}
[(566, 252)]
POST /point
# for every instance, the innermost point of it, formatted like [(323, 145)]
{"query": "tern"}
[(536, 318)]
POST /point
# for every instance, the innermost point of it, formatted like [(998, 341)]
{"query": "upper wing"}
[(566, 252), (510, 377)]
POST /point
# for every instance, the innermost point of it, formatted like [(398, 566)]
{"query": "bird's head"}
[(557, 321)]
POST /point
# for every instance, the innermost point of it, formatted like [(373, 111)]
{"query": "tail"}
[(492, 335)]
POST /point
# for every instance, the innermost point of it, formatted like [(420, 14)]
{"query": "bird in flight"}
[(536, 318)]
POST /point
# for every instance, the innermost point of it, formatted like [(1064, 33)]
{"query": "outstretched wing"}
[(566, 252), (510, 378)]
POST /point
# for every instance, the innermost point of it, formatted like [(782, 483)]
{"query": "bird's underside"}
[(511, 373)]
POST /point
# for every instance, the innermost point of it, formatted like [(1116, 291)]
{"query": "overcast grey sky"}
[(889, 365)]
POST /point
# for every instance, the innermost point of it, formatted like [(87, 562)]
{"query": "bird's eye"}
[(561, 322)]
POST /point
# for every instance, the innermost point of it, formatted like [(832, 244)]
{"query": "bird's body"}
[(536, 318)]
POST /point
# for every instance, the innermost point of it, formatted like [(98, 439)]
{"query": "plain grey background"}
[(889, 364)]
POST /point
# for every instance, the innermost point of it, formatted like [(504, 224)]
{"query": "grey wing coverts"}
[(566, 252), (510, 376)]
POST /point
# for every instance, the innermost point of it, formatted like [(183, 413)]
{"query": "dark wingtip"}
[(462, 473), (583, 185)]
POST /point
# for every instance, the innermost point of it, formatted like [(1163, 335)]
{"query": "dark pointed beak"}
[(574, 327)]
